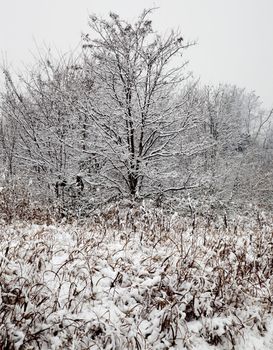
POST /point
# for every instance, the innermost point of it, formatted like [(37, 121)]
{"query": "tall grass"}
[(135, 279)]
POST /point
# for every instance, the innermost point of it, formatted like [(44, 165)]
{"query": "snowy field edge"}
[(153, 282)]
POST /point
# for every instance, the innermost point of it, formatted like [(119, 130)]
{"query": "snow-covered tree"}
[(135, 110)]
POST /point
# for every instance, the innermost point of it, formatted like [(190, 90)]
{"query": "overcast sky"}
[(235, 37)]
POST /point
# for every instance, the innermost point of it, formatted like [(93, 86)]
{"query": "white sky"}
[(235, 37)]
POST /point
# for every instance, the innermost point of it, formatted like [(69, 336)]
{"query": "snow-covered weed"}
[(136, 279)]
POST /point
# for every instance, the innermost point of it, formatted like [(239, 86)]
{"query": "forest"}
[(124, 120)]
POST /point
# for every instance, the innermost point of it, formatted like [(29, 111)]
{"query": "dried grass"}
[(135, 279)]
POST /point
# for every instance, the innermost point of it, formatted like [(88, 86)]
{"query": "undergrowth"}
[(135, 279)]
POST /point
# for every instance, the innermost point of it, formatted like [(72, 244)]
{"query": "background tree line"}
[(125, 120)]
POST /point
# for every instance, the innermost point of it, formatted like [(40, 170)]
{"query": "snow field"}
[(148, 281)]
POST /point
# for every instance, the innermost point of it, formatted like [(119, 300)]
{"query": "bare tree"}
[(134, 110)]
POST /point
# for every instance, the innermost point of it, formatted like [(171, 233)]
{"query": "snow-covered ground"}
[(144, 281)]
